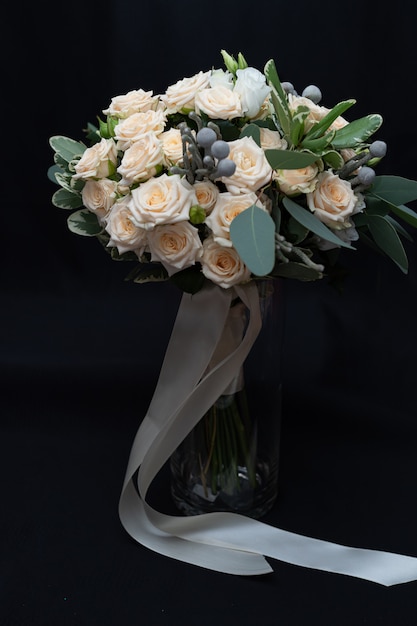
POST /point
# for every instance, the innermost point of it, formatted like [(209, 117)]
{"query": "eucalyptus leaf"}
[(252, 130), (85, 223), (65, 199), (289, 159), (394, 189), (386, 237), (67, 148), (399, 228), (252, 233), (357, 132), (299, 271), (307, 219)]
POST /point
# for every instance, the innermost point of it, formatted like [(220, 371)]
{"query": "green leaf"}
[(318, 129), (405, 213), (386, 237), (299, 271), (319, 144), (190, 279), (399, 228), (357, 132), (67, 148), (253, 235), (252, 130), (394, 189), (289, 159), (278, 97), (84, 222), (307, 219), (65, 199), (333, 158), (148, 273), (52, 172)]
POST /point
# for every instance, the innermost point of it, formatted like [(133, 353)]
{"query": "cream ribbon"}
[(224, 542)]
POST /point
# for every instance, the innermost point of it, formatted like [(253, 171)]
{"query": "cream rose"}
[(132, 102), (206, 193), (124, 234), (252, 89), (271, 139), (176, 246), (219, 102), (99, 196), (172, 146), (333, 200), (302, 180), (140, 162), (136, 125), (180, 96), (98, 161), (223, 266), (162, 200), (316, 112), (252, 169), (227, 207)]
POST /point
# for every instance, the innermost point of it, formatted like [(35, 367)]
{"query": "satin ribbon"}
[(224, 542)]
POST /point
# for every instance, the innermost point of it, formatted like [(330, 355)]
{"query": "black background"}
[(80, 348)]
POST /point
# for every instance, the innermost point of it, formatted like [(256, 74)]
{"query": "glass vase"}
[(229, 461)]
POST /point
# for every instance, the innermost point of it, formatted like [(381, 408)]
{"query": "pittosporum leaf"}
[(84, 222), (357, 132), (65, 199)]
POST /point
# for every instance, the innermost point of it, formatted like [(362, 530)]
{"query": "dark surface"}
[(80, 349)]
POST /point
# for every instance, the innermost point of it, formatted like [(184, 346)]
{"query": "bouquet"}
[(229, 176), (229, 179)]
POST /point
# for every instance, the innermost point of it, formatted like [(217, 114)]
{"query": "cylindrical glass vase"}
[(229, 461)]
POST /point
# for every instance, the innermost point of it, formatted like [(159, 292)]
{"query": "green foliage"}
[(85, 223), (309, 221), (253, 235), (289, 159), (356, 132)]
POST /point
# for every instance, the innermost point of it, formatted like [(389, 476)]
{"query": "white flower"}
[(140, 162), (333, 200), (271, 139), (180, 96), (137, 125), (252, 169), (172, 146), (228, 205), (218, 102), (162, 200), (98, 196), (302, 180), (98, 161), (206, 193), (176, 246), (220, 77), (222, 265), (124, 234), (131, 102), (252, 89)]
